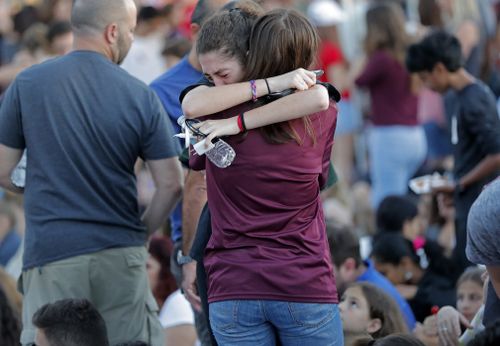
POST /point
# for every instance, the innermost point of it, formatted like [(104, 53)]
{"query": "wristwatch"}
[(181, 259)]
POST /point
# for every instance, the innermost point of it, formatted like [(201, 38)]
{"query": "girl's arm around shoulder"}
[(297, 105), (205, 100)]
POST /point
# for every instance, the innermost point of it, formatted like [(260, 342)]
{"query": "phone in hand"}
[(319, 73)]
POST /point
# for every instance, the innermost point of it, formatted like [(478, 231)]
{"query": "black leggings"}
[(203, 233)]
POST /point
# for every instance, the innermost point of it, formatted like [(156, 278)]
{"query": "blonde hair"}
[(462, 10)]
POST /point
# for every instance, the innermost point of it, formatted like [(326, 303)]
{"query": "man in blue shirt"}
[(349, 267), (168, 88)]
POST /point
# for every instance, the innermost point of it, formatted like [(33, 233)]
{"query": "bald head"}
[(92, 16)]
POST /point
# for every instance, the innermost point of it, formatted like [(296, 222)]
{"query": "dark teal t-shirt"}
[(84, 122)]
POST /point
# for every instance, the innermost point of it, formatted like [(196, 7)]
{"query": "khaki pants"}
[(114, 280)]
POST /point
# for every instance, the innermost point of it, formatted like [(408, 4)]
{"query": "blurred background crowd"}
[(371, 195)]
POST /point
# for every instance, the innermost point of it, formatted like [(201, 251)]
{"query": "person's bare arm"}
[(205, 100), (194, 198), (21, 61), (290, 107), (168, 179), (9, 158), (8, 74), (486, 167)]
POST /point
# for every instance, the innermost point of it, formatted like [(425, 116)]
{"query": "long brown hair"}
[(385, 30), (383, 307), (281, 41)]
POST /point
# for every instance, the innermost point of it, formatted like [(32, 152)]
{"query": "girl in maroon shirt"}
[(397, 143), (269, 270)]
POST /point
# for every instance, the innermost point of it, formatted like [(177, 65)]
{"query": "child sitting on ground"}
[(366, 309)]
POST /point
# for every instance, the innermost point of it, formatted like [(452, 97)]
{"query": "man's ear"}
[(406, 226), (439, 67), (195, 29), (374, 325), (111, 33)]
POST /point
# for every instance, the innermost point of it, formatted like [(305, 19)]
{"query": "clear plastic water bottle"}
[(222, 155)]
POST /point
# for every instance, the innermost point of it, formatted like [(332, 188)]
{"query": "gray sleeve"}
[(158, 137), (483, 234), (11, 129)]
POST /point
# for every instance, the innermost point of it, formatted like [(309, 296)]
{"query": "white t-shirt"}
[(176, 311), (144, 60)]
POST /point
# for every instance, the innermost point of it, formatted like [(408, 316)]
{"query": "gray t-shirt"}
[(84, 122)]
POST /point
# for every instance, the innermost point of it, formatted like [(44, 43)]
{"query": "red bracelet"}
[(240, 123)]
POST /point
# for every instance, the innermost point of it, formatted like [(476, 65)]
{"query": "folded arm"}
[(487, 166), (205, 100), (290, 107)]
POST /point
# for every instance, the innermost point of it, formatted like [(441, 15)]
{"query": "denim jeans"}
[(271, 322), (348, 119), (396, 152)]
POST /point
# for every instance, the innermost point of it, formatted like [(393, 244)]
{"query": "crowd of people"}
[(271, 172)]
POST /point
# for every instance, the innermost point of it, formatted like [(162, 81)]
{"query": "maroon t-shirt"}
[(388, 81), (268, 230)]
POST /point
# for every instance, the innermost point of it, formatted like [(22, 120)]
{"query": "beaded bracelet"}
[(253, 86)]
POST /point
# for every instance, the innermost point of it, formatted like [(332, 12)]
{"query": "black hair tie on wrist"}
[(267, 85)]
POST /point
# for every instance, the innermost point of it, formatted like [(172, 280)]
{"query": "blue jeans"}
[(396, 152), (263, 322), (348, 119)]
